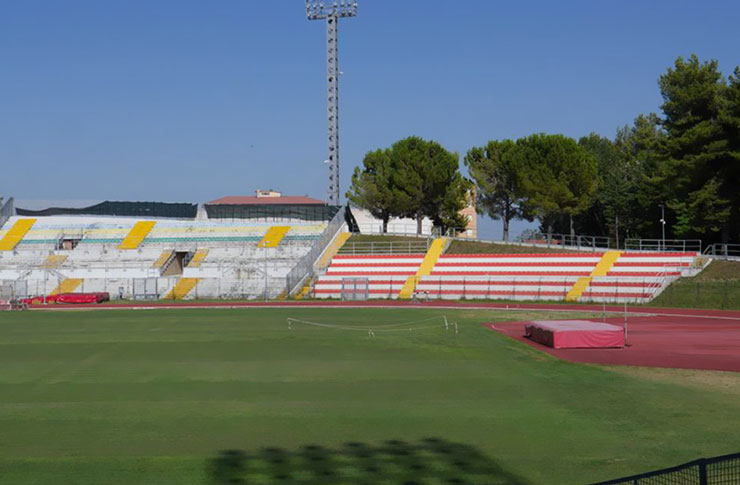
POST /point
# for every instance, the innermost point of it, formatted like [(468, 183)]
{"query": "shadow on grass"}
[(429, 461)]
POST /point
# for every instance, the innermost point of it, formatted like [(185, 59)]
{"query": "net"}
[(438, 322), (355, 289)]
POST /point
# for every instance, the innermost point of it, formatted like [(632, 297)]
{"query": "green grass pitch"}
[(153, 396)]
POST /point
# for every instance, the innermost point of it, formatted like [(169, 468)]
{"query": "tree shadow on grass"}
[(430, 461)]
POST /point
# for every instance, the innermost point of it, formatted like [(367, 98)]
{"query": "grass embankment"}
[(718, 286), (476, 247), (149, 396), (370, 238)]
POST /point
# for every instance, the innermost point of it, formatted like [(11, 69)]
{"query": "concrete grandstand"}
[(239, 248), (269, 246)]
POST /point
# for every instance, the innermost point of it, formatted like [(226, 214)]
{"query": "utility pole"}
[(332, 11), (662, 222)]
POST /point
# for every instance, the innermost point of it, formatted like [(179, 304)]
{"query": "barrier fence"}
[(719, 470), (682, 245), (305, 268), (723, 251), (686, 293), (386, 247)]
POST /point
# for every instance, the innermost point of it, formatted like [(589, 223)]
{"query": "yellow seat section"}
[(408, 288), (425, 269), (198, 258), (54, 261), (304, 292), (67, 286), (15, 234), (606, 263), (136, 235), (602, 268), (182, 288), (575, 293), (162, 259), (333, 249), (273, 236)]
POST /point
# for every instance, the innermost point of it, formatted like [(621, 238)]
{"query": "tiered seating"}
[(386, 274), (507, 276), (110, 254), (15, 234), (129, 233), (631, 277), (612, 276)]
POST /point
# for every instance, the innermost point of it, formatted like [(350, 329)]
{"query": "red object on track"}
[(708, 342), (69, 298), (574, 334)]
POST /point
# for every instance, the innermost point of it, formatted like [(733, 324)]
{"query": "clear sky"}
[(183, 100)]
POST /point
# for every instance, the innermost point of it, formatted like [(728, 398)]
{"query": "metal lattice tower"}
[(332, 11)]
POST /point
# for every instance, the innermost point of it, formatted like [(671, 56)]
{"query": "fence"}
[(683, 245), (601, 243), (7, 211), (687, 293), (564, 241), (386, 247), (305, 268), (723, 251), (719, 470)]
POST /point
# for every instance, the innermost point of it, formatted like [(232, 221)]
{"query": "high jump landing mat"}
[(574, 334)]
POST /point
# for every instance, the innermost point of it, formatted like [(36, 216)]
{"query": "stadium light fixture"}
[(332, 11)]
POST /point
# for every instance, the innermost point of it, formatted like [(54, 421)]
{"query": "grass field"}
[(718, 286), (151, 396)]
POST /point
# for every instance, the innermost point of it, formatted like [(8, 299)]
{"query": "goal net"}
[(355, 289)]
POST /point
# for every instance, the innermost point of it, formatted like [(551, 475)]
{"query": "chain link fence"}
[(716, 294)]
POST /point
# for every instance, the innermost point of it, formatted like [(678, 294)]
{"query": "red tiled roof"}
[(254, 200)]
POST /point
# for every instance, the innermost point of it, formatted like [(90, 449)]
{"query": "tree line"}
[(684, 163)]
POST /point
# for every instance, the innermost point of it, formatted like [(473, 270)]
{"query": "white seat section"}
[(233, 263)]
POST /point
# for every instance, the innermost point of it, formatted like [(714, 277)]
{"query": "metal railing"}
[(386, 247), (723, 251), (7, 211), (306, 266), (403, 229), (663, 245), (564, 241), (719, 470), (577, 241)]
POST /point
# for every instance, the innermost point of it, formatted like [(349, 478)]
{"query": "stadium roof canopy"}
[(254, 200)]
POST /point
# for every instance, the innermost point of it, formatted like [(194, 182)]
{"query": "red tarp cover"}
[(574, 334), (69, 298)]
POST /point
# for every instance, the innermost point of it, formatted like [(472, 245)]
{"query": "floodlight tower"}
[(332, 11)]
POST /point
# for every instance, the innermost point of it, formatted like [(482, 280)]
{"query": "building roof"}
[(254, 200)]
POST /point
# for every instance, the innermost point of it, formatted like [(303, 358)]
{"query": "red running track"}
[(657, 337), (694, 342)]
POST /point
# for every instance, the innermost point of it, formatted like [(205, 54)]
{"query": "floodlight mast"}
[(332, 11)]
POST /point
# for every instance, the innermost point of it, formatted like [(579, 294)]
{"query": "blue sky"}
[(192, 100)]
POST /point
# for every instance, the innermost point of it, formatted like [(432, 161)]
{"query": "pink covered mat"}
[(574, 334)]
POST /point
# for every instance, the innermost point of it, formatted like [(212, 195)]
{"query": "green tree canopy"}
[(496, 172), (427, 182), (697, 170), (558, 177), (413, 178), (371, 187)]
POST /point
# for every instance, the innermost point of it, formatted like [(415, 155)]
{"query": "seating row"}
[(625, 276)]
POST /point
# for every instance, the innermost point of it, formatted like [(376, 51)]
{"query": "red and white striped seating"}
[(386, 274), (634, 277)]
